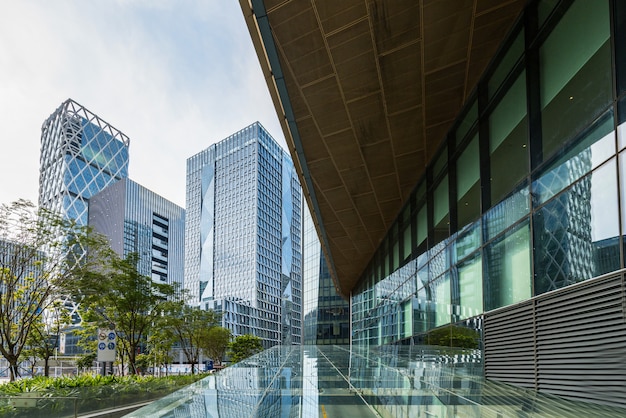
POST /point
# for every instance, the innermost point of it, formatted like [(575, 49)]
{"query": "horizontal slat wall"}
[(509, 351), (570, 343), (581, 343)]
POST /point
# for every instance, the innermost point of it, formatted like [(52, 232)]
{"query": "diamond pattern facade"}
[(80, 155)]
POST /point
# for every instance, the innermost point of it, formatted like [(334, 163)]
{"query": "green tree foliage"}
[(189, 326), (454, 336), (38, 260), (120, 298), (44, 337), (216, 343), (160, 343), (244, 346)]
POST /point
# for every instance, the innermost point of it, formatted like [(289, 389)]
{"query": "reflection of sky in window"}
[(603, 201)]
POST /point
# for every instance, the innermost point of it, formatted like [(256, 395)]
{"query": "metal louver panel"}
[(581, 342), (570, 342), (509, 347)]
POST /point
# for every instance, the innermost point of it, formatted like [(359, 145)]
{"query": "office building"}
[(137, 220), (465, 170), (243, 252), (81, 154), (326, 314)]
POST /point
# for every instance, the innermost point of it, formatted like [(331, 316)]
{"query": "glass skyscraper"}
[(326, 314), (243, 252), (137, 220), (80, 155)]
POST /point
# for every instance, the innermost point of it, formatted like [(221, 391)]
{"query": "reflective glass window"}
[(422, 225), (507, 276), (468, 184), (441, 218), (440, 162), (440, 293), (593, 149), (506, 213), (620, 45), (576, 233), (575, 81), (513, 53), (508, 144), (470, 282), (468, 121), (468, 240), (621, 121)]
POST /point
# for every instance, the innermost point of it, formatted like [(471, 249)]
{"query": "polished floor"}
[(333, 381)]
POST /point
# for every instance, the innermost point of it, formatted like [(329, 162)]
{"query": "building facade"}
[(80, 155), (326, 314), (243, 252), (512, 239), (137, 220)]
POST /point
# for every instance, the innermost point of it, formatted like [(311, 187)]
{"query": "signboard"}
[(62, 343), (107, 344)]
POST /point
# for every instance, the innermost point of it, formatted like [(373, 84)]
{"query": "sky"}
[(174, 75)]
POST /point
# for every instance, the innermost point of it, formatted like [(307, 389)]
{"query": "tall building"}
[(326, 314), (80, 155), (137, 220), (243, 252), (465, 169)]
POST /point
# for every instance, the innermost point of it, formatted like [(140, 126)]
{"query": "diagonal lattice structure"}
[(81, 154)]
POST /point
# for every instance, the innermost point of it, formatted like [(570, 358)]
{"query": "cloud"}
[(174, 76)]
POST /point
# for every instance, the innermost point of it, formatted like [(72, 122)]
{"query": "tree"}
[(38, 260), (189, 326), (244, 346), (119, 297), (216, 343), (44, 338), (160, 343)]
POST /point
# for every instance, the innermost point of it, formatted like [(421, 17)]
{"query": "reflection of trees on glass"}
[(453, 336)]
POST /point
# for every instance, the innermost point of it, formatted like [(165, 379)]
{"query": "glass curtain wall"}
[(525, 196)]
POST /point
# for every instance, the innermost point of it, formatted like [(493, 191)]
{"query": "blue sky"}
[(174, 75)]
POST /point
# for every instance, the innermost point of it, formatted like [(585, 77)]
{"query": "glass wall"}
[(525, 196)]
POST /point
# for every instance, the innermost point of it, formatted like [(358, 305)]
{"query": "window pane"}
[(440, 293), (506, 65), (468, 184), (592, 150), (574, 230), (467, 241), (441, 210), (466, 124), (506, 213), (507, 279), (470, 287), (508, 141), (422, 225), (575, 82)]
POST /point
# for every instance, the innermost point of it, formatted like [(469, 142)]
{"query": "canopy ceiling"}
[(366, 91)]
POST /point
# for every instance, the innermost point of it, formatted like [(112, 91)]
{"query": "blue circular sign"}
[(111, 346), (111, 335), (102, 346)]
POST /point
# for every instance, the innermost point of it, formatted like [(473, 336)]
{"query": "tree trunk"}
[(14, 372), (46, 366)]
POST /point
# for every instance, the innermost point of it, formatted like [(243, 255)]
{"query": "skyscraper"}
[(326, 314), (243, 236), (80, 155), (137, 220)]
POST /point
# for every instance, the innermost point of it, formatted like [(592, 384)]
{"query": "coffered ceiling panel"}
[(371, 87)]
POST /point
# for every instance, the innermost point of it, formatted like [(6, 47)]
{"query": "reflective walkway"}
[(330, 381)]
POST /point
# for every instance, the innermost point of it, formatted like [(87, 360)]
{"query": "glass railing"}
[(333, 381)]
